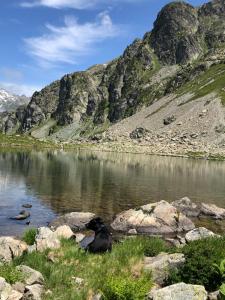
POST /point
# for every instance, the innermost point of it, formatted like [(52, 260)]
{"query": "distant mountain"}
[(10, 102)]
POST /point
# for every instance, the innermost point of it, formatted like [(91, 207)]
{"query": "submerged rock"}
[(75, 220), (22, 216), (161, 265), (155, 218), (179, 291)]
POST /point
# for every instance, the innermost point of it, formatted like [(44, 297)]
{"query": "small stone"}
[(214, 296), (78, 281), (79, 237), (132, 232), (64, 232)]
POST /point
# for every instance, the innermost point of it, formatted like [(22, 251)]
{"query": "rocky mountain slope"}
[(167, 88)]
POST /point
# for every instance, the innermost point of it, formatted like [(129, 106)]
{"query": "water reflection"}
[(104, 183)]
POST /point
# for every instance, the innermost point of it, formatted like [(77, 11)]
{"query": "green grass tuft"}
[(29, 236)]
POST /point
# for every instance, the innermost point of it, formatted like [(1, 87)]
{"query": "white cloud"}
[(77, 4), (19, 89), (11, 74), (67, 43)]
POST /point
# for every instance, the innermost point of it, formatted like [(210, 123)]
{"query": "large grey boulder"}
[(10, 248), (154, 218), (161, 264), (187, 207), (31, 276), (179, 291), (75, 220), (198, 234)]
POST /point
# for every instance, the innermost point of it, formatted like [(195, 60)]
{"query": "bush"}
[(199, 268), (29, 236), (154, 246), (126, 287), (10, 274)]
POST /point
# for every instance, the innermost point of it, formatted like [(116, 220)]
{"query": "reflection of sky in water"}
[(104, 183), (13, 194)]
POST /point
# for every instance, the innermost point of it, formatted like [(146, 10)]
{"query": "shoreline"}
[(159, 149)]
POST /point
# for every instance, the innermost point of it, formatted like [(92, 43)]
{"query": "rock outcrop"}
[(155, 218)]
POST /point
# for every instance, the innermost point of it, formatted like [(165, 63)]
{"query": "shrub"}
[(10, 274), (199, 268), (29, 236), (154, 246), (126, 287)]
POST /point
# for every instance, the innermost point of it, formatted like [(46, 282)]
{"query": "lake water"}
[(56, 182)]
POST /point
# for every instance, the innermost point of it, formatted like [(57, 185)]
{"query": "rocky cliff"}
[(156, 81)]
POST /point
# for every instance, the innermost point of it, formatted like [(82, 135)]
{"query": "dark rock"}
[(22, 216), (27, 205), (138, 133), (169, 120)]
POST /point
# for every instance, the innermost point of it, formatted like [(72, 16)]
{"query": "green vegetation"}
[(199, 268), (10, 274), (212, 80), (29, 236), (118, 275)]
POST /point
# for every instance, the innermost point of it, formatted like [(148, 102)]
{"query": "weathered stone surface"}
[(211, 210), (187, 207), (10, 248), (64, 232), (198, 234), (75, 220), (31, 276), (214, 296), (161, 264), (34, 292), (5, 289), (79, 237), (179, 291), (155, 218), (45, 239), (15, 295)]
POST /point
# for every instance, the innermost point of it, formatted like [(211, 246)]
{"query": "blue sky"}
[(41, 40)]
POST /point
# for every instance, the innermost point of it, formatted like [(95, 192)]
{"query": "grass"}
[(10, 273), (117, 275), (29, 236), (213, 80)]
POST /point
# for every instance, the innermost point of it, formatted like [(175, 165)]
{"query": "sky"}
[(42, 40)]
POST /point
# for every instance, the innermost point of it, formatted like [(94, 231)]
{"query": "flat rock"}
[(213, 211), (46, 239), (179, 291), (10, 248), (161, 264), (187, 207), (34, 292), (155, 218), (75, 220), (198, 234), (31, 276)]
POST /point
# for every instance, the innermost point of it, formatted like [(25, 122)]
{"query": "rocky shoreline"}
[(173, 222)]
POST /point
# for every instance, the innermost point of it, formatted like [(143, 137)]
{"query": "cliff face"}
[(184, 43)]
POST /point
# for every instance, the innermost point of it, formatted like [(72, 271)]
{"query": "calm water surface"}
[(57, 182)]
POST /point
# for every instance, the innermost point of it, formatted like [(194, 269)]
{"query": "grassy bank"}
[(119, 275)]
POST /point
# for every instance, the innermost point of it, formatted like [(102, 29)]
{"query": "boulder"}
[(75, 220), (213, 211), (161, 264), (31, 276), (34, 292), (15, 295), (179, 291), (22, 216), (198, 234), (155, 218), (46, 239), (64, 232), (187, 207), (5, 289), (10, 248)]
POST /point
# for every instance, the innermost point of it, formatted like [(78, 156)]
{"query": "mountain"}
[(166, 88), (9, 101)]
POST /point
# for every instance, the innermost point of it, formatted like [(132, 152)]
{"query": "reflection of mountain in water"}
[(107, 183)]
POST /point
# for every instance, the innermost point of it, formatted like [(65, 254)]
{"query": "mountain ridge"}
[(183, 56)]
